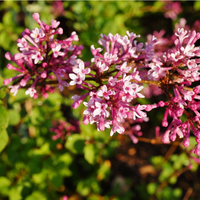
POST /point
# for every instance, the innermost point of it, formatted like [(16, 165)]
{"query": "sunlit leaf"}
[(90, 153), (75, 143), (3, 119), (3, 139)]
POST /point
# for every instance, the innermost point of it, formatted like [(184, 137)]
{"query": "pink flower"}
[(117, 128), (57, 52), (137, 111), (37, 57), (23, 45), (14, 89), (31, 91), (80, 69), (62, 84), (123, 68), (76, 79), (103, 92), (65, 198), (101, 109), (54, 23), (37, 34)]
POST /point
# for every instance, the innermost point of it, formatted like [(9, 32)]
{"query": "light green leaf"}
[(36, 195), (43, 150), (75, 143), (56, 179), (40, 177), (14, 117), (90, 153), (83, 189), (4, 185), (15, 193), (151, 188), (104, 170), (197, 5), (3, 139), (3, 119)]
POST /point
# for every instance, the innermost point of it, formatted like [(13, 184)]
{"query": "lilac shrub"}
[(114, 78)]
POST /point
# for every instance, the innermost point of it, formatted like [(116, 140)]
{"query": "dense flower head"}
[(172, 9), (124, 64), (41, 56), (62, 128), (114, 70)]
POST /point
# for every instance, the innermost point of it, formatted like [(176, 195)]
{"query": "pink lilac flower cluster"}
[(117, 77), (42, 57), (178, 69), (114, 78), (172, 9), (62, 128)]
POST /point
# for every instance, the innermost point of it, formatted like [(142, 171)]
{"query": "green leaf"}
[(151, 188), (3, 119), (104, 170), (3, 139), (90, 153), (177, 192), (157, 161), (197, 5), (86, 187), (2, 93), (36, 195), (56, 179), (157, 5), (14, 117), (15, 193), (66, 158), (173, 180), (83, 188), (43, 150), (166, 172), (4, 185), (40, 177), (75, 143), (87, 130), (1, 81)]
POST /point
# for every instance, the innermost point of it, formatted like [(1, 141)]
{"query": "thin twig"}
[(171, 150), (188, 194)]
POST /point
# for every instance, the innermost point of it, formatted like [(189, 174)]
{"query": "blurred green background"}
[(87, 164)]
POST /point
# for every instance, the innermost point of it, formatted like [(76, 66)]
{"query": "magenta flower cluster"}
[(42, 57), (114, 78), (62, 128)]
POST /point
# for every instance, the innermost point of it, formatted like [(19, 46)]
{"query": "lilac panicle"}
[(41, 54)]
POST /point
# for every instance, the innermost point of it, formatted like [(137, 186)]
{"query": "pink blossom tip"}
[(164, 123), (7, 81), (8, 56), (197, 151), (186, 142), (65, 198), (161, 104), (36, 16), (60, 31)]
